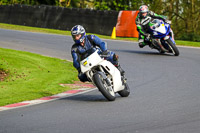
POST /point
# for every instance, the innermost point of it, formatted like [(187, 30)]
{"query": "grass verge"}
[(31, 76), (62, 32)]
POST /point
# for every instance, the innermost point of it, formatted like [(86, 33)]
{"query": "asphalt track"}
[(165, 92)]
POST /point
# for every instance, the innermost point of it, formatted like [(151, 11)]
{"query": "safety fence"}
[(53, 17)]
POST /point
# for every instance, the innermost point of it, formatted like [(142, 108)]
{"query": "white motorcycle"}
[(104, 75)]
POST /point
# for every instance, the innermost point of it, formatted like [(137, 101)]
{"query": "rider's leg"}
[(141, 41), (82, 77), (118, 66), (114, 59)]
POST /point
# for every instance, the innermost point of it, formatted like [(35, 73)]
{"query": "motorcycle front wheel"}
[(103, 87), (173, 47)]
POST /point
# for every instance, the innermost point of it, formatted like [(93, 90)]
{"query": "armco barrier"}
[(99, 22)]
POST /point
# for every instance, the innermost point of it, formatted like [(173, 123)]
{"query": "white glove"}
[(168, 21), (148, 36)]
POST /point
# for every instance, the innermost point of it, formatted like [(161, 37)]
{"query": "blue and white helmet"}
[(76, 30)]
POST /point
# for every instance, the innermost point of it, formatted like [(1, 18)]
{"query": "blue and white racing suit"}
[(91, 41)]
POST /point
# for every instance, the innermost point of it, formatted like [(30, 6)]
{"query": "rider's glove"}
[(168, 21), (147, 36)]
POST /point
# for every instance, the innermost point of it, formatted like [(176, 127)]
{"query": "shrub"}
[(190, 37)]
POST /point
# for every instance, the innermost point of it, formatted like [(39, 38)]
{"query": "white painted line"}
[(49, 98)]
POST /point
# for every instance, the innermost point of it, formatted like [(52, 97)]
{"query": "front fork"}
[(105, 77), (170, 36), (91, 73)]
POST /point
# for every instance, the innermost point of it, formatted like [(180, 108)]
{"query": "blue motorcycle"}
[(162, 37)]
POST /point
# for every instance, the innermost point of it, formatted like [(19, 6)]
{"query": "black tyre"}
[(173, 47), (125, 92), (103, 87), (161, 52)]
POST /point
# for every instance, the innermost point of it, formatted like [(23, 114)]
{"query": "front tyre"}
[(103, 87), (173, 47)]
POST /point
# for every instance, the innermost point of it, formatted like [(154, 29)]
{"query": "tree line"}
[(184, 14)]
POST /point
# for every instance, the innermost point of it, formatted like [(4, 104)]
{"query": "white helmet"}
[(143, 9), (76, 30)]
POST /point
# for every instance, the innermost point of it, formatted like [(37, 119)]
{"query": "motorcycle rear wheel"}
[(125, 92), (103, 87)]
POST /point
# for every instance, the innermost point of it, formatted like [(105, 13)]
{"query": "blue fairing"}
[(157, 34), (172, 40)]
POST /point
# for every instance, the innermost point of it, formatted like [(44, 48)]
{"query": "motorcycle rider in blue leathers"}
[(83, 43), (142, 20)]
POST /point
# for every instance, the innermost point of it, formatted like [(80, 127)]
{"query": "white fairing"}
[(94, 60), (116, 76), (91, 61), (161, 29)]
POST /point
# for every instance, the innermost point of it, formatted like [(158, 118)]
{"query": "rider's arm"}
[(139, 27), (154, 15), (97, 41), (75, 57)]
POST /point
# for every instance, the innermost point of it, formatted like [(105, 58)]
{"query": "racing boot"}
[(117, 65), (123, 78), (144, 40), (141, 44), (120, 69)]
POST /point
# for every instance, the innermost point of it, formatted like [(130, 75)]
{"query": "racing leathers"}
[(142, 25), (92, 41)]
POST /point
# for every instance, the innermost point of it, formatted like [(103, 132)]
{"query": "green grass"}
[(31, 76), (62, 32), (187, 43)]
